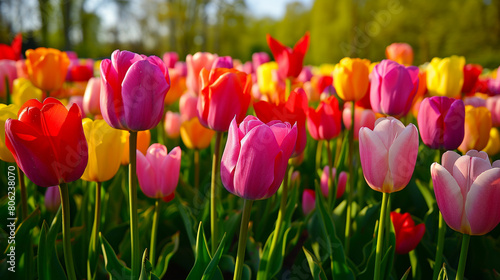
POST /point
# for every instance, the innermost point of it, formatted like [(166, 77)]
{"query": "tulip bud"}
[(408, 235), (52, 199), (308, 201)]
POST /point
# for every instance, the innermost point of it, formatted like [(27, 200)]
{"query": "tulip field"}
[(208, 167)]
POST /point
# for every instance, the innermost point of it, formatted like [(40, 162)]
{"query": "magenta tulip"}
[(259, 58), (256, 156), (308, 201), (52, 199), (467, 190), (158, 171), (393, 87), (223, 62), (441, 121), (388, 154), (493, 104), (342, 181), (132, 90)]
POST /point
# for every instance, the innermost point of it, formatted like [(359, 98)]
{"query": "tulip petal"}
[(122, 60), (230, 156), (171, 165), (146, 176), (374, 158), (448, 160), (449, 198), (253, 176), (111, 102), (409, 238), (454, 125), (496, 163), (387, 130), (467, 169), (403, 156)]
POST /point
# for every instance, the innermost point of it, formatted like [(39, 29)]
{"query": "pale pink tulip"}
[(92, 97), (362, 118), (172, 124), (194, 64)]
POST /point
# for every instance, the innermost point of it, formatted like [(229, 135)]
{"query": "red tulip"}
[(408, 235), (289, 60), (324, 122), (224, 94), (48, 142), (471, 75), (12, 52), (293, 111)]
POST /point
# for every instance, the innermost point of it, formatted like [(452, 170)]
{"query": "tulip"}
[(256, 156), (323, 83), (493, 146), (8, 73), (493, 105), (408, 235), (289, 60), (23, 90), (388, 154), (259, 58), (306, 74), (467, 190), (471, 75), (362, 118), (92, 97), (47, 68), (170, 58), (105, 150), (21, 69), (158, 171), (225, 93), (12, 52), (342, 181), (493, 85), (48, 142), (178, 86), (266, 80), (181, 68), (350, 78), (172, 124), (477, 128), (78, 100), (308, 201), (187, 106), (52, 199), (132, 90), (143, 141), (195, 63), (393, 87), (293, 111), (401, 53), (475, 101), (445, 77), (80, 70), (324, 122), (6, 112), (441, 122), (194, 135), (223, 62)]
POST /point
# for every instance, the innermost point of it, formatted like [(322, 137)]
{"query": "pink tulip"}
[(308, 201), (78, 100), (393, 87), (172, 124), (223, 62), (92, 97), (475, 101), (256, 156), (181, 68), (7, 70), (194, 64), (52, 198), (342, 181), (305, 75), (188, 106), (21, 69), (362, 118), (259, 58), (467, 190), (158, 170), (170, 59), (493, 104), (388, 154), (133, 88)]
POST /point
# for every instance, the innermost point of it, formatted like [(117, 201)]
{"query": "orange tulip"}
[(350, 78), (177, 86), (477, 128), (47, 68), (143, 141), (195, 135)]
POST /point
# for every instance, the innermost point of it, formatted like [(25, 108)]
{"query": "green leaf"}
[(202, 256), (315, 266), (406, 273), (188, 220), (115, 268), (442, 274), (23, 246), (146, 268), (166, 254), (212, 267), (341, 166), (49, 266)]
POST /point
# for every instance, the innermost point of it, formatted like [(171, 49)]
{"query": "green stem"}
[(68, 255), (350, 186), (242, 241), (279, 221), (318, 154), (197, 170), (463, 257), (24, 196), (132, 189), (213, 192), (440, 247), (154, 231), (91, 264), (7, 92), (332, 188), (288, 87), (380, 237)]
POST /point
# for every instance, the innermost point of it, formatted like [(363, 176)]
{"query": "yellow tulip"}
[(445, 77), (6, 112), (194, 135), (23, 90), (265, 80), (47, 68), (493, 146), (326, 69), (350, 78), (143, 141), (105, 150), (477, 128)]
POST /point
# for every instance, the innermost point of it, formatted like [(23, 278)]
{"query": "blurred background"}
[(338, 28)]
